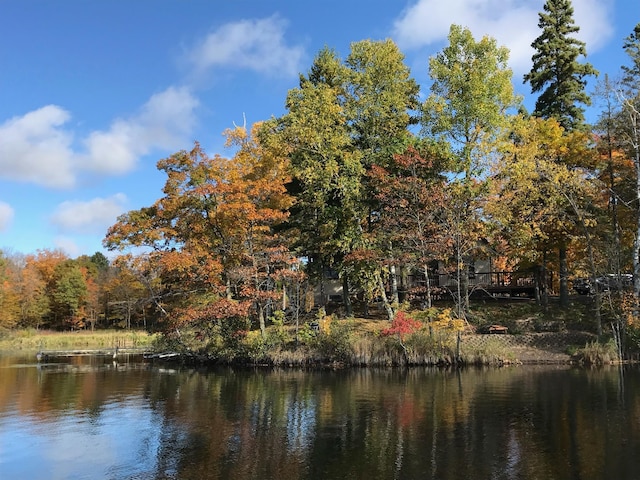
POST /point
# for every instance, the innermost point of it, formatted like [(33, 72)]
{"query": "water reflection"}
[(93, 418)]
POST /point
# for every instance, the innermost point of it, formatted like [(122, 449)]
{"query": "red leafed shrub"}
[(402, 325)]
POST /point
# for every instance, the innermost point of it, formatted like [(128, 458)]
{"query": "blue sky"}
[(94, 92)]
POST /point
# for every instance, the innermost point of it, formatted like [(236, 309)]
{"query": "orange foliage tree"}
[(211, 235), (410, 195)]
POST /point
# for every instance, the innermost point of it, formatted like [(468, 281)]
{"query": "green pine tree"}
[(558, 74), (556, 71), (631, 73)]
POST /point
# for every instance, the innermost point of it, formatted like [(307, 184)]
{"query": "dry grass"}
[(597, 353), (31, 339)]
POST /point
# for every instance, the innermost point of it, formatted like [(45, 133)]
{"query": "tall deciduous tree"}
[(325, 167), (381, 100), (35, 306), (382, 103), (561, 79), (9, 300), (210, 224), (609, 168), (410, 192), (344, 118), (467, 109), (126, 294), (630, 135), (45, 263), (69, 294), (538, 199)]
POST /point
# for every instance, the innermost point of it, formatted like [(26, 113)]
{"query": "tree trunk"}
[(395, 299), (425, 268), (564, 276), (636, 243), (345, 297), (284, 298), (634, 125), (465, 289), (544, 283), (636, 251), (385, 301), (614, 212), (263, 326)]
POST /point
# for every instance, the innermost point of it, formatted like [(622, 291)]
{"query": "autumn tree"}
[(211, 222), (616, 173), (410, 193), (344, 118), (9, 300), (537, 200), (326, 168), (68, 295), (128, 291), (604, 130), (468, 109), (382, 103), (43, 265), (261, 172), (95, 270), (34, 302)]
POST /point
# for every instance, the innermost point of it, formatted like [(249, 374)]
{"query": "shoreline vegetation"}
[(34, 340), (533, 337)]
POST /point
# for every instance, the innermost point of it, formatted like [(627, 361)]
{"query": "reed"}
[(31, 339), (598, 353)]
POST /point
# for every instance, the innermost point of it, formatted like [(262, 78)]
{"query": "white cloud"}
[(595, 19), (68, 246), (513, 23), (35, 148), (164, 122), (6, 216), (93, 216), (251, 44)]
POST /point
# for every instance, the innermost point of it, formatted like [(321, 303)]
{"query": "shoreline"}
[(520, 349), (497, 349)]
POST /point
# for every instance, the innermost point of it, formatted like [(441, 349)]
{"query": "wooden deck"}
[(485, 284)]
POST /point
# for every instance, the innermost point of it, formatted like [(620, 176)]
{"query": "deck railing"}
[(478, 279)]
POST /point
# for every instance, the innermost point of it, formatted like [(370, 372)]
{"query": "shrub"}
[(402, 325), (335, 343), (598, 353), (278, 335)]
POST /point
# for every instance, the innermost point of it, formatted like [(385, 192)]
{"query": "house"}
[(483, 279)]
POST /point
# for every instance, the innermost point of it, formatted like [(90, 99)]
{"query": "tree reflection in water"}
[(520, 422)]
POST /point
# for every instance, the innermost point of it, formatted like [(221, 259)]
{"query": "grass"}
[(31, 339), (353, 341), (598, 353)]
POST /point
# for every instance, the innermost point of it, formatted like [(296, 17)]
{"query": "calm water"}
[(90, 418)]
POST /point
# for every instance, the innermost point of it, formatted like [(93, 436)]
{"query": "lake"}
[(92, 418)]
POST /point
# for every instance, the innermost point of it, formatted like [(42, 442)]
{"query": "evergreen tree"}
[(631, 46), (556, 71)]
